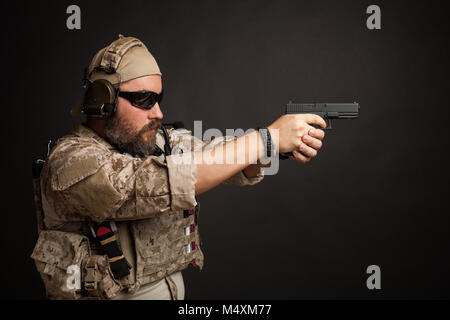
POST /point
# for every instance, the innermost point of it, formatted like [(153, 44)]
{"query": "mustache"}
[(154, 125)]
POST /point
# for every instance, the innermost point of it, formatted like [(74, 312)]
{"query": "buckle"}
[(90, 279)]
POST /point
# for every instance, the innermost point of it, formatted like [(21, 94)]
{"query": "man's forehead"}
[(147, 83)]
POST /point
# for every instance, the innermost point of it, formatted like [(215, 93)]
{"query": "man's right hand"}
[(297, 135)]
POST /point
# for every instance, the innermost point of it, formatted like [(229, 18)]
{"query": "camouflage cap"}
[(127, 56)]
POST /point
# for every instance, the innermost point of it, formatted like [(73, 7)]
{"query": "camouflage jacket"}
[(86, 180)]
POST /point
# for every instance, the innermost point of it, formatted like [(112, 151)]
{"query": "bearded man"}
[(120, 214)]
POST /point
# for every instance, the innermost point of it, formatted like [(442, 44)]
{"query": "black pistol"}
[(327, 111)]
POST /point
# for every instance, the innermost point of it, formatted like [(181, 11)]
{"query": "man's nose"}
[(155, 112)]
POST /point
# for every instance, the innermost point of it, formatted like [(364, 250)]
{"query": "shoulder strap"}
[(37, 168)]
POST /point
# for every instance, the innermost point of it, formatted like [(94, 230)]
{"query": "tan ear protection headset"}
[(100, 97)]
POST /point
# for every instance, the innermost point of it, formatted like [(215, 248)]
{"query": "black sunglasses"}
[(142, 99)]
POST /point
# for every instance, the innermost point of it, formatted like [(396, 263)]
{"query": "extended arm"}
[(235, 156), (290, 133)]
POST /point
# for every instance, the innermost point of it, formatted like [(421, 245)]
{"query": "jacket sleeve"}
[(95, 183), (239, 178)]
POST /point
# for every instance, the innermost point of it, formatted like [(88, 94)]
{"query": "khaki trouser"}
[(158, 290)]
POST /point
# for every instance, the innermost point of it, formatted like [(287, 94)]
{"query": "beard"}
[(121, 134)]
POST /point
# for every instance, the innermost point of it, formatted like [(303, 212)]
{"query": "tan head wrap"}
[(127, 56)]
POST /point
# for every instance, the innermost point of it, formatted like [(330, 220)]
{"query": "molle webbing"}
[(116, 50), (166, 244)]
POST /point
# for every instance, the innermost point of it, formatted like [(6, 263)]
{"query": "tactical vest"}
[(154, 247)]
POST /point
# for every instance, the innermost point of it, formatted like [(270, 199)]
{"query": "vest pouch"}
[(69, 271), (58, 257)]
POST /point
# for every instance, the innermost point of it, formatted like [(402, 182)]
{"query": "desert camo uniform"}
[(85, 180)]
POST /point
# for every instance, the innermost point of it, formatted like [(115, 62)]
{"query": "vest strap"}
[(172, 287)]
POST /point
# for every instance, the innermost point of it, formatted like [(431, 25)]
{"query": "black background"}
[(377, 193)]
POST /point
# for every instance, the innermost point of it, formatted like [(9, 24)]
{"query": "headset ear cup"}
[(100, 98), (111, 108)]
